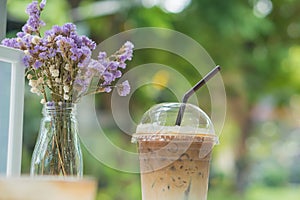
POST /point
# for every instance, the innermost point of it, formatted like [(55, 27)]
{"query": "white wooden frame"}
[(2, 18), (15, 135)]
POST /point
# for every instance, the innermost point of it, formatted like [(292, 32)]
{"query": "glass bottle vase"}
[(57, 150)]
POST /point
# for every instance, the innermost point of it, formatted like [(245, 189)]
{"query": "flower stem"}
[(59, 150)]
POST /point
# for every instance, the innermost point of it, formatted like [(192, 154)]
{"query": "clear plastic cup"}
[(174, 160)]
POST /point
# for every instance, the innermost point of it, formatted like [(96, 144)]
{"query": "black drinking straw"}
[(193, 90)]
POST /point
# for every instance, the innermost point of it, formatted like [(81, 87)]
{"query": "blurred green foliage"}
[(259, 49)]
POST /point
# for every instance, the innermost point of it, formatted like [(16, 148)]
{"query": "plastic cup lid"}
[(159, 122)]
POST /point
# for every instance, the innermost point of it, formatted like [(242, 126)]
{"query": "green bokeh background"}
[(257, 43)]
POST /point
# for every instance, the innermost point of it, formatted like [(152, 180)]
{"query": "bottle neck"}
[(59, 108)]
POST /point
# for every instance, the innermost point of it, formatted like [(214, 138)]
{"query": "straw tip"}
[(218, 67)]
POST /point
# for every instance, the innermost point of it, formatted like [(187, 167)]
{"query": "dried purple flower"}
[(43, 4), (102, 56), (61, 60), (123, 88), (26, 61), (37, 64), (11, 43), (34, 23)]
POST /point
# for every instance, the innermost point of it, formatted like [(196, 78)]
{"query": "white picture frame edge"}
[(15, 131)]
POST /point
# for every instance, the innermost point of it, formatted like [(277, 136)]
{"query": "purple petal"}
[(43, 4), (102, 55), (37, 64), (123, 89), (26, 60)]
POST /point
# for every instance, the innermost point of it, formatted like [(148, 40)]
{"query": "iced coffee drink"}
[(174, 160)]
